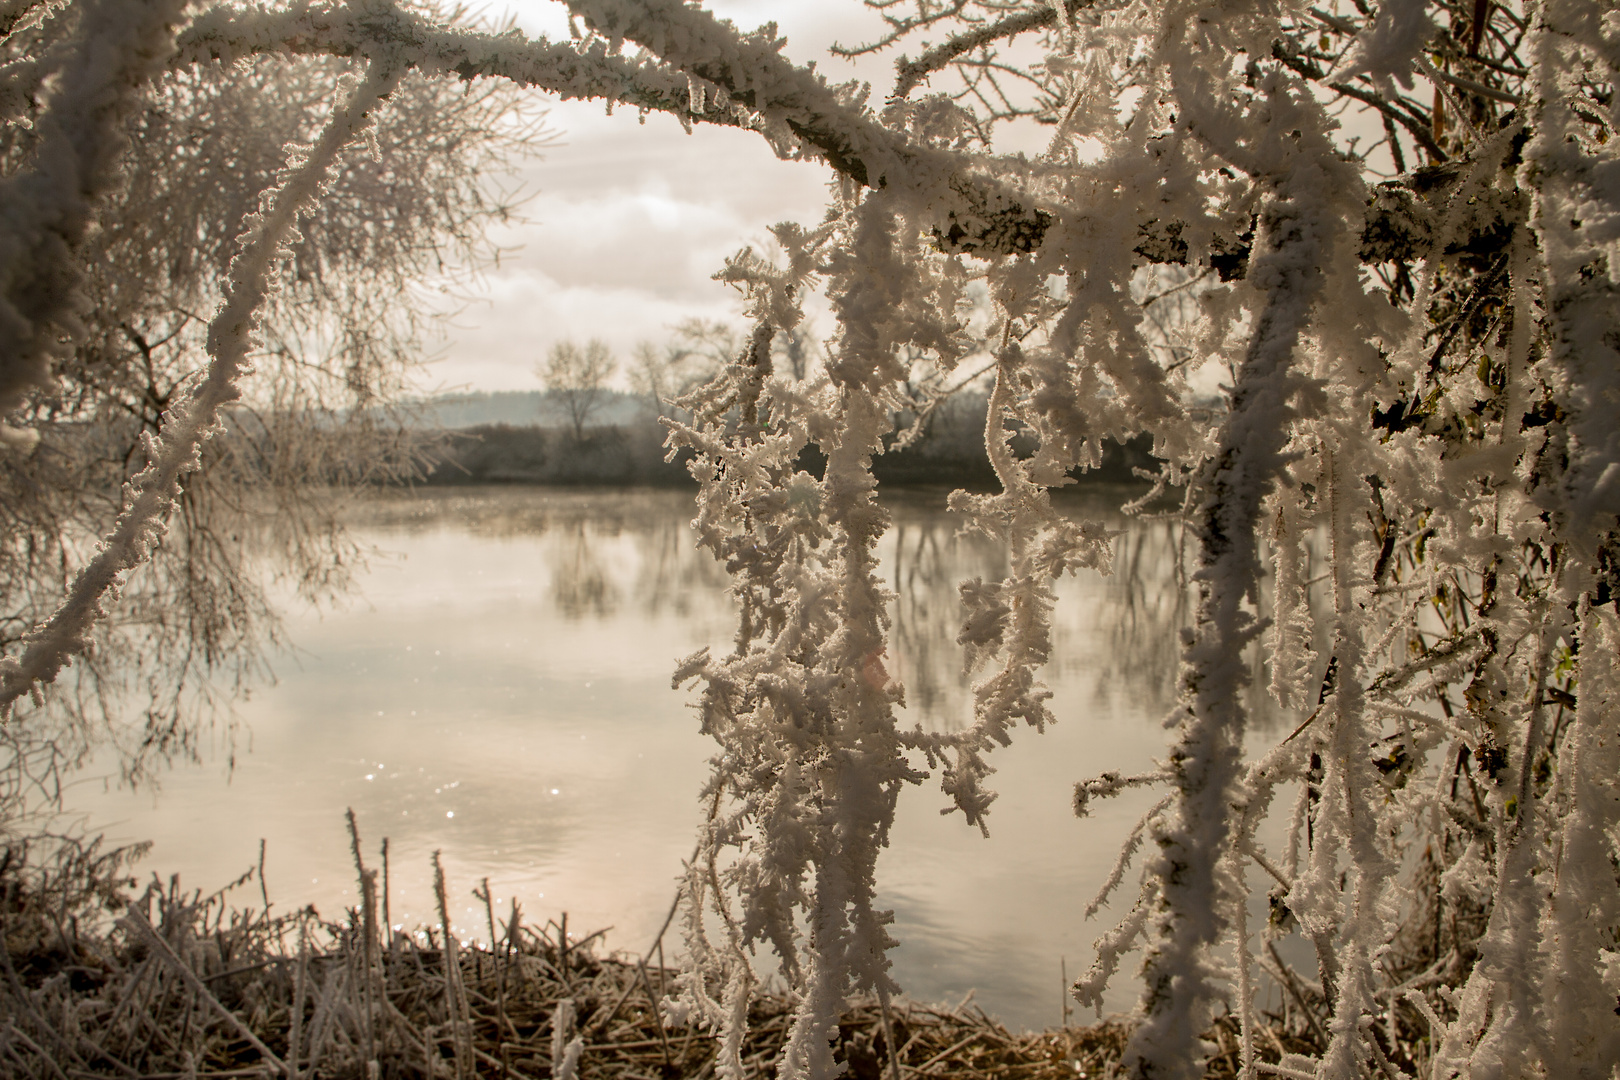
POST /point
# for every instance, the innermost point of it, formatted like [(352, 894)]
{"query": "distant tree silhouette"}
[(576, 379)]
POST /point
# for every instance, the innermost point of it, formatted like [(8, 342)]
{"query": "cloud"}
[(629, 217), (495, 343), (627, 225)]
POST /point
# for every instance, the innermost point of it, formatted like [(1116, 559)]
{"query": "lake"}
[(500, 691)]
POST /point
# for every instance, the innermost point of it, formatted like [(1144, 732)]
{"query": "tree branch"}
[(911, 72), (707, 72), (1419, 131), (749, 83)]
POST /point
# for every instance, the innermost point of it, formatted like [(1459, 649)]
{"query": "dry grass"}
[(180, 985)]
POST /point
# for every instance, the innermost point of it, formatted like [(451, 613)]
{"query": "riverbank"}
[(630, 452), (180, 986)]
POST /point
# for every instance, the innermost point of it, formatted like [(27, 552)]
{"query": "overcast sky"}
[(628, 221)]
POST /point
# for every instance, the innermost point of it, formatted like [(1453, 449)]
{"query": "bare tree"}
[(575, 379), (696, 352)]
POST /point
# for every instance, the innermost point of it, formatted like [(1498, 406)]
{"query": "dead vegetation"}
[(175, 985)]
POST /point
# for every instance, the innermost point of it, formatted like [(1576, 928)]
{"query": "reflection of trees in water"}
[(1139, 613), (673, 576), (1120, 633), (579, 581), (608, 553), (663, 573), (928, 564), (611, 554)]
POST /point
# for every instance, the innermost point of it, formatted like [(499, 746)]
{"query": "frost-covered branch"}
[(1391, 403), (51, 205), (701, 70), (1299, 229), (911, 72), (150, 496)]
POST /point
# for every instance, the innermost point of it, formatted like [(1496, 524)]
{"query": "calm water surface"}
[(501, 691)]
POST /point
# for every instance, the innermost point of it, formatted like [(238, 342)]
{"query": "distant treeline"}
[(629, 450)]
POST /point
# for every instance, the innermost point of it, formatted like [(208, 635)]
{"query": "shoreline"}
[(183, 986), (634, 456)]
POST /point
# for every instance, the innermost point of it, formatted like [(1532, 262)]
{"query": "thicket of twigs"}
[(172, 984), (1421, 367)]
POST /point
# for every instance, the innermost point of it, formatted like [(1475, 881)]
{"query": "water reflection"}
[(1116, 634), (927, 562), (1145, 608), (503, 693), (598, 545), (579, 581)]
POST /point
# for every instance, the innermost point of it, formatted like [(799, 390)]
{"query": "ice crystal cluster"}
[(1393, 231)]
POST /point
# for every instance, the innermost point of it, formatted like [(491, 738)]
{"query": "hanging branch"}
[(51, 206), (1449, 435), (152, 494), (1294, 239), (792, 108)]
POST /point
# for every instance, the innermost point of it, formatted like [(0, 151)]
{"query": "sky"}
[(628, 218), (627, 222)]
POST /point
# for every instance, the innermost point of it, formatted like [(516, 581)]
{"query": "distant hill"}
[(525, 408)]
